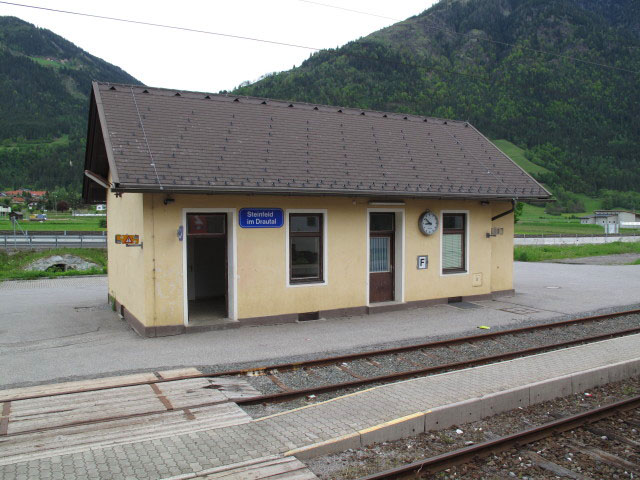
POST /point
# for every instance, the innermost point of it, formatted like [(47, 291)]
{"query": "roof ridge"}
[(288, 103)]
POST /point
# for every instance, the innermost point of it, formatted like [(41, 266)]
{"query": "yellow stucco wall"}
[(261, 277), (126, 265)]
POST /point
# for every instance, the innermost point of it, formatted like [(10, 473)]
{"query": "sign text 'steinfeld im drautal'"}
[(261, 218)]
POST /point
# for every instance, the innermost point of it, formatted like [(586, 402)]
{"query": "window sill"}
[(454, 272), (314, 283)]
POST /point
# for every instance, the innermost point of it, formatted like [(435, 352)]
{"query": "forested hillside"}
[(480, 60), (44, 92)]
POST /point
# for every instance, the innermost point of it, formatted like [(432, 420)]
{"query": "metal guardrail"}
[(574, 235), (53, 232), (52, 241)]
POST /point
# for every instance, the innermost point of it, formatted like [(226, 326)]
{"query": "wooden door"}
[(381, 257)]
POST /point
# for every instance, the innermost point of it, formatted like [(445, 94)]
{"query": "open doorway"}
[(207, 268)]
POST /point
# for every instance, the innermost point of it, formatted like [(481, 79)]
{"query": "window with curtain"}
[(305, 247), (453, 242)]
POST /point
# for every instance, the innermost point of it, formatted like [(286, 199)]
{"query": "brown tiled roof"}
[(175, 141)]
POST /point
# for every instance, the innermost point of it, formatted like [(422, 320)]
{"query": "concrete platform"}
[(377, 414), (55, 330)]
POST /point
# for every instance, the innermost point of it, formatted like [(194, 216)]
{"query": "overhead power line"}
[(240, 37), (150, 24), (350, 10)]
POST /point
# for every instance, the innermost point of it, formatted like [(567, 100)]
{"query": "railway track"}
[(602, 431), (311, 379)]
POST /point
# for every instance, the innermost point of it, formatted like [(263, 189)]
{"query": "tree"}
[(517, 212), (62, 206)]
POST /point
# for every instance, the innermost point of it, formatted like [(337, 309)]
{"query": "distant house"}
[(17, 200), (612, 220), (38, 194), (35, 194), (4, 211)]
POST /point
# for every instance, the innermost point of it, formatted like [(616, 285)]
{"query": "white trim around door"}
[(399, 259), (232, 259)]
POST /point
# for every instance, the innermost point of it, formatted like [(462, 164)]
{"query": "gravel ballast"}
[(514, 463)]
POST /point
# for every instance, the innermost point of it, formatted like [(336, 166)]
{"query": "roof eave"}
[(238, 190), (105, 132)]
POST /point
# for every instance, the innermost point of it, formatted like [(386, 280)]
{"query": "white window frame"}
[(232, 260), (466, 242), (399, 259), (325, 248)]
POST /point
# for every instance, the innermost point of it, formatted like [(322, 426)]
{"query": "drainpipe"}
[(500, 215)]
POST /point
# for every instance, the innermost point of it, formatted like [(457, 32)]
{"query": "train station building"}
[(226, 211)]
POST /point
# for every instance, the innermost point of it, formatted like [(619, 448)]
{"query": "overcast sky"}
[(192, 61)]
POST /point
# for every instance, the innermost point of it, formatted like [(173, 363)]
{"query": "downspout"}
[(500, 215)]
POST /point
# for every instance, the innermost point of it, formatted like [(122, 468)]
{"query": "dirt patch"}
[(60, 263)]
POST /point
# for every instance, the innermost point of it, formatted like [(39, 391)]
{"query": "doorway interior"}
[(207, 269)]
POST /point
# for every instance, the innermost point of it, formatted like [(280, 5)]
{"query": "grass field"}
[(12, 266), (57, 221), (47, 63), (534, 220), (7, 145), (517, 155), (531, 253)]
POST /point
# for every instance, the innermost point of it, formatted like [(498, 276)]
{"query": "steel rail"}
[(338, 358), (530, 435), (430, 370), (286, 395)]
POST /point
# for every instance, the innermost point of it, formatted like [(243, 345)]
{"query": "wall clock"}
[(428, 222)]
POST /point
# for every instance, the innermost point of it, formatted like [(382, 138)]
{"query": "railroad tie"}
[(278, 382), (348, 371)]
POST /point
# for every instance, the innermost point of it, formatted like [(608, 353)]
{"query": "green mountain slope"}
[(517, 154), (577, 120), (44, 88)]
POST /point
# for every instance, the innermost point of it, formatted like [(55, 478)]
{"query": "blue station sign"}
[(261, 217)]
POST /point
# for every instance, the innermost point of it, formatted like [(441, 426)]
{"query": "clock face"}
[(428, 223)]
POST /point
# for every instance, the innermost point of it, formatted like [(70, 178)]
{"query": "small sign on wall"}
[(423, 262), (261, 218), (127, 239)]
